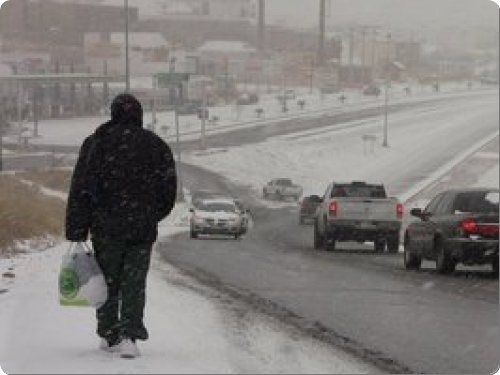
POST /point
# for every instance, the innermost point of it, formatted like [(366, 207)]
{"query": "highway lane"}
[(402, 321)]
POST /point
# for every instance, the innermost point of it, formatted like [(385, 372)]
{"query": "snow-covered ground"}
[(193, 329), (72, 132), (315, 158)]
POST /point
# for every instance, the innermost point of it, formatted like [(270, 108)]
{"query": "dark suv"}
[(308, 207), (457, 226)]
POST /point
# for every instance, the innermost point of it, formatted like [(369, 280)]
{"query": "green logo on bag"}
[(68, 283)]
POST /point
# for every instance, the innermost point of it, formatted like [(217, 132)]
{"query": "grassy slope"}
[(26, 214)]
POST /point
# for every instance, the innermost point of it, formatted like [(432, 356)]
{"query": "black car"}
[(308, 206), (372, 91), (457, 226)]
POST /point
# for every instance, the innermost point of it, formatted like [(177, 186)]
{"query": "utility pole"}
[(180, 188), (374, 42), (322, 27), (226, 80), (285, 107), (35, 111), (262, 26), (2, 127), (311, 76), (203, 117), (387, 84), (363, 53), (351, 55), (127, 60), (105, 85)]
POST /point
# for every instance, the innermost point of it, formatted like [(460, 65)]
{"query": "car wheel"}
[(412, 261), (318, 239), (393, 243), (330, 245), (379, 245), (444, 263), (494, 266)]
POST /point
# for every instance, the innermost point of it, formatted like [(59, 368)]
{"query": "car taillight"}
[(490, 231), (400, 210), (471, 227), (333, 209), (468, 227)]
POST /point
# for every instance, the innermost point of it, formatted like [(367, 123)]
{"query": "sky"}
[(415, 14)]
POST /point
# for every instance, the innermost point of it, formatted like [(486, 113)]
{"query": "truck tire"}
[(330, 245), (379, 245), (393, 243), (444, 263), (494, 267), (412, 261), (318, 239)]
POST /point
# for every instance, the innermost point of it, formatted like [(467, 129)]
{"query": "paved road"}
[(402, 321), (365, 302)]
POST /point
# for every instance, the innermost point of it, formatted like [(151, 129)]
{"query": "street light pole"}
[(387, 84), (127, 61), (1, 141), (203, 117), (180, 187)]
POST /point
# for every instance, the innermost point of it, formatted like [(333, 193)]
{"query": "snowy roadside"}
[(193, 329), (72, 132), (313, 158)]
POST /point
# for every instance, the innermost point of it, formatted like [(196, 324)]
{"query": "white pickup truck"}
[(281, 188), (361, 212)]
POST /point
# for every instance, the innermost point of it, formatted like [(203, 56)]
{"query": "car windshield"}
[(217, 207), (352, 191), (480, 202)]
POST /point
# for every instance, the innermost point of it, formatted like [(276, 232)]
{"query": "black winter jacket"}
[(123, 184)]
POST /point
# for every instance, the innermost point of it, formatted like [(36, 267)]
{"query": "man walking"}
[(123, 184)]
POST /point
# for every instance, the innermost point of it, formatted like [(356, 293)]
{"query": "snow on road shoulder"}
[(314, 160), (191, 331)]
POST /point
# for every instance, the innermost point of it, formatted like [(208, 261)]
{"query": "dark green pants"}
[(125, 267)]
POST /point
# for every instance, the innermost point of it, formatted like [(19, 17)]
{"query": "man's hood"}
[(126, 109)]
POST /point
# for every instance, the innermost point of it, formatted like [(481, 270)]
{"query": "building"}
[(194, 9), (233, 58), (149, 53), (364, 59), (57, 27)]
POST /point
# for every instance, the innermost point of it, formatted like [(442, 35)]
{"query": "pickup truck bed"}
[(358, 212)]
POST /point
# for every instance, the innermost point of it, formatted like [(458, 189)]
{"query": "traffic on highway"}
[(249, 186)]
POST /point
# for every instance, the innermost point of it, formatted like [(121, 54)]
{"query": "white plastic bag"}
[(81, 281)]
